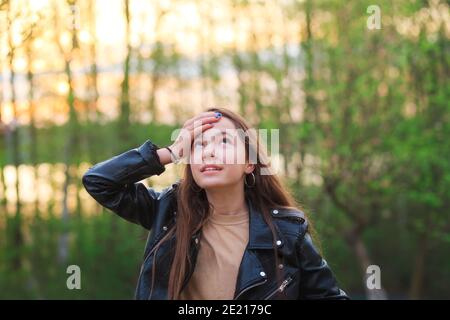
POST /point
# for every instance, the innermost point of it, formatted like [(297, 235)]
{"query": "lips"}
[(210, 168)]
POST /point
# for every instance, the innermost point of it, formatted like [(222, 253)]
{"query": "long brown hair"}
[(193, 206)]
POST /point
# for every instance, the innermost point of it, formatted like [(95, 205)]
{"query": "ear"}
[(249, 168)]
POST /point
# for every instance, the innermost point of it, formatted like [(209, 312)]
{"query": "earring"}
[(254, 181)]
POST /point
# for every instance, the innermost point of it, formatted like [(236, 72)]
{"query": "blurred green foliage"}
[(373, 133)]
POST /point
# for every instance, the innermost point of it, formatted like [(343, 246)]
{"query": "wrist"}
[(164, 156), (174, 154)]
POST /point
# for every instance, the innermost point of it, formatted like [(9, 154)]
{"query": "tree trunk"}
[(16, 231), (71, 147), (418, 273), (355, 241), (124, 116), (32, 131)]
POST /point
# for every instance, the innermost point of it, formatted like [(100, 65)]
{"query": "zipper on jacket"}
[(281, 288), (148, 255), (157, 242), (250, 287)]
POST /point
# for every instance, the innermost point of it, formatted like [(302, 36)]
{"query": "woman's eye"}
[(225, 140)]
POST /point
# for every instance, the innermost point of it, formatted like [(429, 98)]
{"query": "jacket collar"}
[(251, 271), (260, 235)]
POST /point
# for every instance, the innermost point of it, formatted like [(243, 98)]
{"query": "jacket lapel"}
[(251, 272)]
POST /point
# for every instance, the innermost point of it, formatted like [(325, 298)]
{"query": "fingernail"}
[(218, 114)]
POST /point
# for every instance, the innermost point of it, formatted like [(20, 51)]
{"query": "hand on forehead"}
[(221, 127)]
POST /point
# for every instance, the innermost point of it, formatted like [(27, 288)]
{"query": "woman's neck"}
[(229, 200)]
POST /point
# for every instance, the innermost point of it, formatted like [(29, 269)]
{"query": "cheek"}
[(196, 157), (195, 170), (231, 155), (234, 172)]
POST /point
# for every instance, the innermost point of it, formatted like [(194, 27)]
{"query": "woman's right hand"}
[(182, 144)]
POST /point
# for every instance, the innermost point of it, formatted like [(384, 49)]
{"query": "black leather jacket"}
[(114, 184)]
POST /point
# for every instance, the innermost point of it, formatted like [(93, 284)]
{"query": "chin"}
[(213, 184)]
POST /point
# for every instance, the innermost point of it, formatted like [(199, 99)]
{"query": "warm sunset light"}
[(355, 97)]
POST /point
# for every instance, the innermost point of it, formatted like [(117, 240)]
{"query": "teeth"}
[(211, 169)]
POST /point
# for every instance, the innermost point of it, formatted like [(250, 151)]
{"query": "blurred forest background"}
[(363, 116)]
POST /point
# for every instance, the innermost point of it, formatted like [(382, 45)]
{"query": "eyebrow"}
[(223, 132)]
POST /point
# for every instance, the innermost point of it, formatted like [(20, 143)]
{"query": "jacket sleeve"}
[(114, 184), (317, 281)]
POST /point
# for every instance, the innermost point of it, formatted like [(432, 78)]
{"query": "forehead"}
[(220, 127), (224, 123)]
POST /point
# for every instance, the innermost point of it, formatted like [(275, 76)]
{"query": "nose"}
[(209, 151)]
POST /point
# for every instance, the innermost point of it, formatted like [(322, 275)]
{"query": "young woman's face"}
[(218, 156)]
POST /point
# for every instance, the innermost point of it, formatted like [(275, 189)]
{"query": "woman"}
[(227, 230)]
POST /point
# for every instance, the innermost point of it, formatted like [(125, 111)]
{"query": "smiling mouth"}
[(210, 168)]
